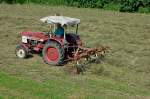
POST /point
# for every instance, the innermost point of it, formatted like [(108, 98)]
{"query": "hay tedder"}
[(59, 50)]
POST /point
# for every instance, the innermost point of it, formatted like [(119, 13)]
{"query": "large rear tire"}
[(53, 54)]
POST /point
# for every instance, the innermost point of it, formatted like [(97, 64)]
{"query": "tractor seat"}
[(71, 38)]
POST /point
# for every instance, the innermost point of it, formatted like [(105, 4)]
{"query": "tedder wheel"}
[(21, 52), (53, 54)]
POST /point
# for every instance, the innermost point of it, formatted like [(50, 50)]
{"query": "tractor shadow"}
[(30, 56)]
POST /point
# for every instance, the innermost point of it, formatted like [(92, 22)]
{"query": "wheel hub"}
[(52, 54), (21, 53)]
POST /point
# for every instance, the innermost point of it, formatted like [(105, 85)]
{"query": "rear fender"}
[(53, 40)]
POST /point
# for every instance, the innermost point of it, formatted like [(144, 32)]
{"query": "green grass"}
[(144, 10), (78, 87), (124, 74), (112, 6)]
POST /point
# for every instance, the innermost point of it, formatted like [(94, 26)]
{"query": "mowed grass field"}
[(124, 74)]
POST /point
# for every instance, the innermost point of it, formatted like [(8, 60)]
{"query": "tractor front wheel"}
[(21, 52), (53, 54)]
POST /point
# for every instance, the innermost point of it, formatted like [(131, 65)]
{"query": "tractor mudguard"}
[(54, 41)]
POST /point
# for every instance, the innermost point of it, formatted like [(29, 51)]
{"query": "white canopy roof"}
[(60, 19)]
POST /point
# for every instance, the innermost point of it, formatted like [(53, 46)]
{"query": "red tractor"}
[(55, 50)]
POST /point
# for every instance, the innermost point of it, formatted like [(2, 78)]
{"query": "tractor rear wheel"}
[(53, 54), (21, 52)]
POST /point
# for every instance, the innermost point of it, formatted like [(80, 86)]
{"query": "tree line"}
[(121, 5)]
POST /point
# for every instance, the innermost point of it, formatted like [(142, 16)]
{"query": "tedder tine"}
[(83, 56), (80, 66)]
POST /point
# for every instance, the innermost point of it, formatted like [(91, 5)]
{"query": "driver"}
[(59, 32)]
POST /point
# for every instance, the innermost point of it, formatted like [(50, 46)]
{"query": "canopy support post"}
[(77, 29)]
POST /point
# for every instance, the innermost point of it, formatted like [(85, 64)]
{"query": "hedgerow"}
[(126, 5)]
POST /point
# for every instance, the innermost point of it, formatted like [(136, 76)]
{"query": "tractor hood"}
[(61, 20)]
